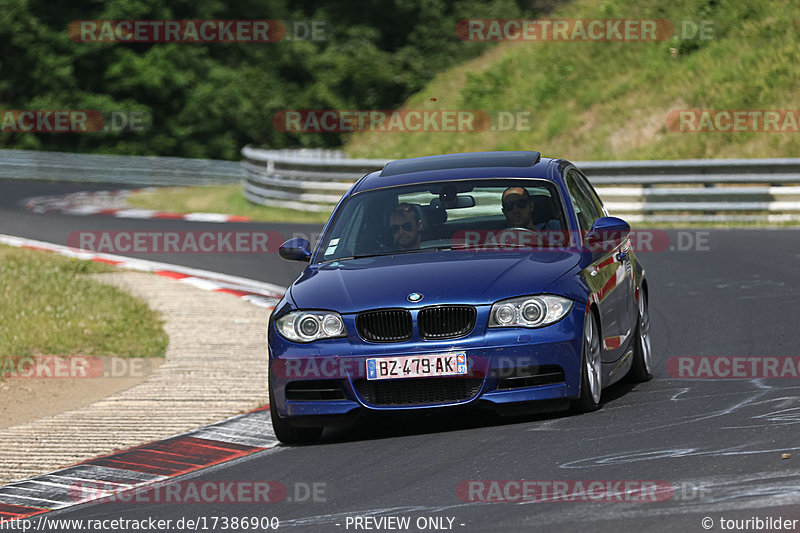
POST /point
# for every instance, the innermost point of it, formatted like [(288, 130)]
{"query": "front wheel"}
[(286, 432), (591, 372), (641, 369)]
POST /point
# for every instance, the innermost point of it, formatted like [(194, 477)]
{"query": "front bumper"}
[(493, 356)]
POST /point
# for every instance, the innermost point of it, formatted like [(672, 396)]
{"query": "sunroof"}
[(465, 160)]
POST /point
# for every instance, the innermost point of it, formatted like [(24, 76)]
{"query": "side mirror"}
[(606, 233), (295, 250)]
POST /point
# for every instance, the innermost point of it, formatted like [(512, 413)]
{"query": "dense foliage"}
[(208, 100)]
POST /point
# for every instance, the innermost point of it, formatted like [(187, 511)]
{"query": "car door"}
[(624, 252), (609, 275)]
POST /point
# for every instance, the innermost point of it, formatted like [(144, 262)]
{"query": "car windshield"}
[(441, 216)]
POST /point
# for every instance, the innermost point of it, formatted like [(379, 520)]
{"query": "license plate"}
[(415, 366)]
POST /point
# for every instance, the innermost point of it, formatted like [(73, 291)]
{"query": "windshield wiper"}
[(352, 257), (395, 252)]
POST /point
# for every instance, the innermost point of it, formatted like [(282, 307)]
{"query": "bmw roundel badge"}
[(414, 297)]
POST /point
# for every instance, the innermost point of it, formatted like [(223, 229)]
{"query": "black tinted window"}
[(434, 214), (586, 207)]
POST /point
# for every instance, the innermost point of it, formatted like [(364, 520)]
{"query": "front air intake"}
[(385, 325), (446, 321)]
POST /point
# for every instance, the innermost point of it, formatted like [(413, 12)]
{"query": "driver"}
[(518, 209), (405, 226)]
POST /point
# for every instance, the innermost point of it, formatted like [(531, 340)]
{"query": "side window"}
[(585, 207), (592, 194)]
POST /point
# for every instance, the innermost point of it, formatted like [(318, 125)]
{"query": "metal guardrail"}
[(307, 179), (695, 190), (701, 190), (126, 170)]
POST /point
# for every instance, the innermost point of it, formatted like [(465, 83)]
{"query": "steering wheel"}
[(519, 244)]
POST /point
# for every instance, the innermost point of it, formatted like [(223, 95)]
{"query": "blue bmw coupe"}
[(478, 280)]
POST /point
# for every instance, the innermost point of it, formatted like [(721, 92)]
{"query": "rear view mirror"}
[(456, 202)]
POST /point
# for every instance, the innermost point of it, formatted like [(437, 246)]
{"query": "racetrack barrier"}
[(761, 191), (122, 169), (693, 190)]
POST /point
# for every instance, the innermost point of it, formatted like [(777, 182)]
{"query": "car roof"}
[(448, 167)]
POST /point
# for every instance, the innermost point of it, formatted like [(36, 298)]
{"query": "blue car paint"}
[(441, 277), (497, 350), (455, 277)]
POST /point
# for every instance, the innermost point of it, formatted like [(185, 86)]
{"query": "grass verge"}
[(49, 306), (225, 199)]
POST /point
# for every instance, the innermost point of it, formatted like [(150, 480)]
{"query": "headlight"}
[(529, 311), (307, 326)]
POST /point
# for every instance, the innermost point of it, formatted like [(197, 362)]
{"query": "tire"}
[(642, 367), (591, 371), (286, 432)]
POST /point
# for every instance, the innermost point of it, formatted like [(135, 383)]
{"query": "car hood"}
[(441, 277)]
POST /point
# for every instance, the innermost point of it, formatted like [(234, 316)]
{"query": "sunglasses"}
[(407, 226), (519, 204)]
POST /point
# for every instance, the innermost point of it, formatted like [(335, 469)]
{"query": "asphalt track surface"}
[(55, 227), (718, 442)]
